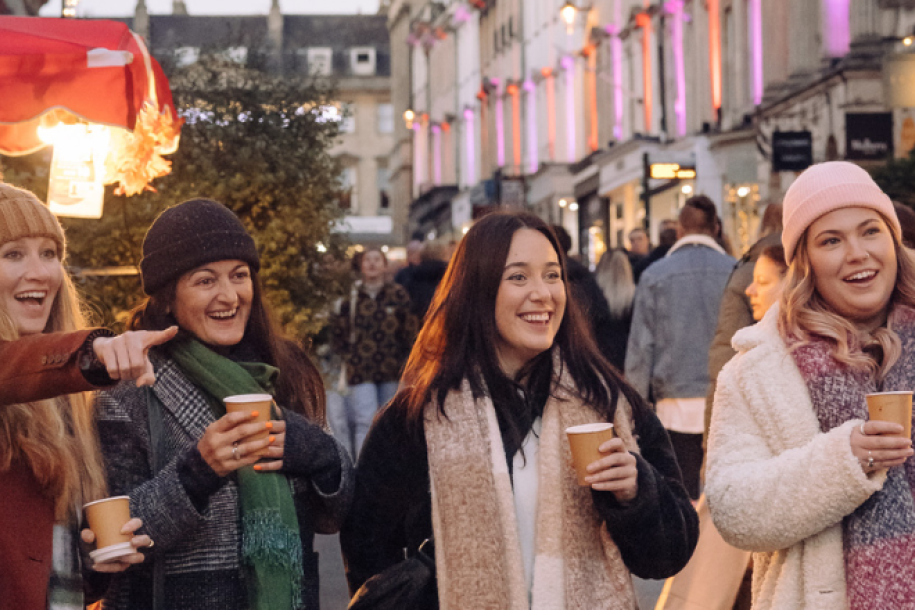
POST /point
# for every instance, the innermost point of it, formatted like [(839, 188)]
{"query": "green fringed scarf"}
[(271, 546)]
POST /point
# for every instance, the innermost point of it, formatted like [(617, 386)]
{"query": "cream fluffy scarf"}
[(577, 566)]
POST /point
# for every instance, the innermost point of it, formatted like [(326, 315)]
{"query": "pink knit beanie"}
[(825, 187)]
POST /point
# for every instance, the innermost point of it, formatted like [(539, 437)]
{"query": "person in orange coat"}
[(49, 462)]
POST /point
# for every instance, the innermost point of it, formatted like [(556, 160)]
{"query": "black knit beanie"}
[(190, 234)]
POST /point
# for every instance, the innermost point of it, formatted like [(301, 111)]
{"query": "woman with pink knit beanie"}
[(796, 471)]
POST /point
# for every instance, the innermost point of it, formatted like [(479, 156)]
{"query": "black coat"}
[(392, 510)]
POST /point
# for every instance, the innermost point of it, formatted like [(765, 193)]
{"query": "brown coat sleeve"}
[(41, 366)]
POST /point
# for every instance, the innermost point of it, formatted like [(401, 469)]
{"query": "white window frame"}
[(362, 68), (320, 61)]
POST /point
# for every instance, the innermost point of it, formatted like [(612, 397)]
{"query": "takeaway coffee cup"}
[(106, 518), (892, 406), (584, 441), (262, 403)]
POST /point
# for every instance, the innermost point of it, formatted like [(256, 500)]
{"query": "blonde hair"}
[(55, 437), (614, 276), (804, 314)]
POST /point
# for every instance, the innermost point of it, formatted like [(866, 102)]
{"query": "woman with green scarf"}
[(233, 531)]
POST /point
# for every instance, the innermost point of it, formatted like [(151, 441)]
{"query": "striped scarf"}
[(879, 536), (479, 564)]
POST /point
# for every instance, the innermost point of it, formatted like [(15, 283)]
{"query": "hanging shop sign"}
[(868, 136), (792, 151), (76, 186)]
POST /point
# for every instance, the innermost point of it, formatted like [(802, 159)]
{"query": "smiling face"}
[(213, 302), (853, 260), (30, 278), (767, 286), (530, 302)]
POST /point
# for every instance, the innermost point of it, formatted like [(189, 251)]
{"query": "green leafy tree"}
[(897, 179), (256, 142)]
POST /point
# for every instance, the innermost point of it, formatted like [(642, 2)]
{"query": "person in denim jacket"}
[(673, 322)]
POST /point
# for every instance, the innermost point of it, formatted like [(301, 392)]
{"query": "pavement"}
[(335, 594)]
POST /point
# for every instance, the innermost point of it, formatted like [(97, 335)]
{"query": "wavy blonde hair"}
[(804, 314), (55, 437)]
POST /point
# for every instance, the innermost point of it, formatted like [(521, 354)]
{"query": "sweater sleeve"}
[(320, 469), (816, 484), (657, 532)]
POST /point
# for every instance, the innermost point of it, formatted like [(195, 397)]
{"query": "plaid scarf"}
[(879, 536), (478, 558), (271, 546)]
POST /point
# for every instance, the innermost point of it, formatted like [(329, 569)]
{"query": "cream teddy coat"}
[(775, 484)]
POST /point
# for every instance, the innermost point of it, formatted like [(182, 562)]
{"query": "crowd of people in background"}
[(433, 417)]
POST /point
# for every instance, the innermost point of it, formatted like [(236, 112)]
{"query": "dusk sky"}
[(125, 8)]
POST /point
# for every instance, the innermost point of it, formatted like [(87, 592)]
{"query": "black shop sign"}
[(868, 136), (792, 151)]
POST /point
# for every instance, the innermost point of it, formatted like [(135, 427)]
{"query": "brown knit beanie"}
[(22, 214), (190, 234)]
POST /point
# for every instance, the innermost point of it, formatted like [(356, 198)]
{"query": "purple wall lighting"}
[(568, 64), (836, 26), (469, 145), (533, 162), (675, 8), (756, 49)]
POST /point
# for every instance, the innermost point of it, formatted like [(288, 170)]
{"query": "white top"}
[(525, 475), (685, 415)]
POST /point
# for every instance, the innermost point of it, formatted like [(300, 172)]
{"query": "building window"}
[(341, 113), (362, 61), (185, 56), (382, 178), (385, 118), (319, 60), (349, 199), (238, 55)]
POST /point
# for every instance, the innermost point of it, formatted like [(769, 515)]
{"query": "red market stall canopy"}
[(72, 71)]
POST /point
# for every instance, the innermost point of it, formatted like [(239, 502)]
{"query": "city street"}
[(334, 595)]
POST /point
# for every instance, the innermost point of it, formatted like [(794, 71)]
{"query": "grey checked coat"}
[(192, 513)]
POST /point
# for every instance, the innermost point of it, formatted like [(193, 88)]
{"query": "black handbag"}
[(407, 585)]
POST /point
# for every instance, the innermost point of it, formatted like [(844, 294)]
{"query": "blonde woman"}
[(796, 473), (614, 276), (49, 457)]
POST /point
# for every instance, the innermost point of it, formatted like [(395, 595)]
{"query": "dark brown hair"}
[(458, 340), (299, 386)]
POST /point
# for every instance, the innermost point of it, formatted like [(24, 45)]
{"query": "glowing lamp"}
[(568, 12)]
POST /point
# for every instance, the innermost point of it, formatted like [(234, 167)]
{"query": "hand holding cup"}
[(602, 462), (119, 564)]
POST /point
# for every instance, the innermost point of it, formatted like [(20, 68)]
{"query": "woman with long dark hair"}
[(472, 450), (233, 515)]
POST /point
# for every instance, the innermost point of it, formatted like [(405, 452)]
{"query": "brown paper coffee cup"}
[(895, 407), (584, 441), (106, 518), (262, 403)]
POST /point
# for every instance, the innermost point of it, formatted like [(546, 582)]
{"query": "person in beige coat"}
[(795, 472)]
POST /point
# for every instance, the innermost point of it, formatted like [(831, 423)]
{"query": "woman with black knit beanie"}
[(233, 515)]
